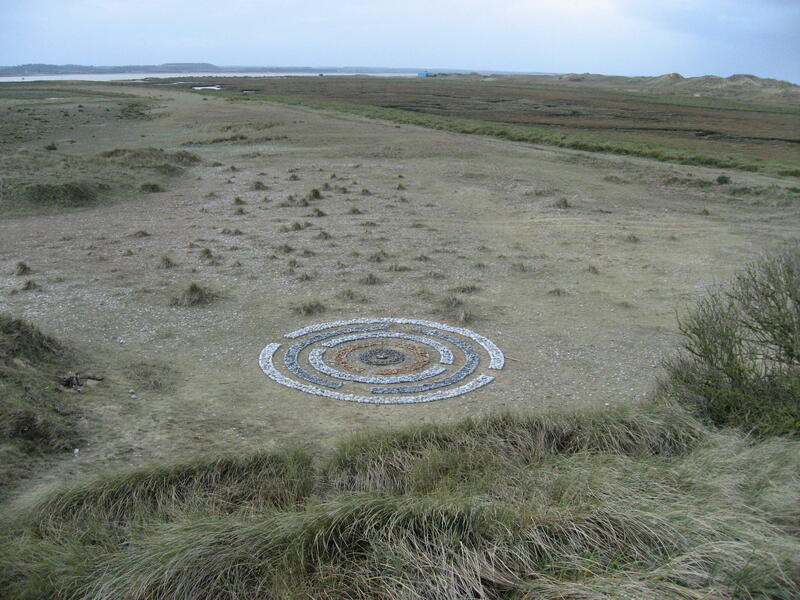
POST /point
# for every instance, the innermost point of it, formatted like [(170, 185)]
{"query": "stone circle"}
[(382, 360)]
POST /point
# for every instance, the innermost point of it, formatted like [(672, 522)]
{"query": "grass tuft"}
[(151, 188), (150, 376), (312, 307), (194, 295), (21, 268)]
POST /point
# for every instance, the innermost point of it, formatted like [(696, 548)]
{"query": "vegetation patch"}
[(150, 376), (135, 110), (150, 188), (154, 158), (58, 195), (37, 417), (634, 503), (740, 364), (194, 295)]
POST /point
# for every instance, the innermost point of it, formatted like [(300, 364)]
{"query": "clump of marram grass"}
[(384, 459), (311, 307), (740, 364), (397, 268), (150, 376), (36, 418), (30, 286), (450, 302), (377, 257), (20, 339), (469, 288), (369, 279), (352, 296), (266, 479), (150, 187), (637, 503), (194, 295), (562, 203), (21, 268), (520, 267)]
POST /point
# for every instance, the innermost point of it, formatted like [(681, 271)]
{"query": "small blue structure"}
[(423, 74)]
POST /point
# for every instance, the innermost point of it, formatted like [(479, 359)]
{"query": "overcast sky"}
[(621, 37)]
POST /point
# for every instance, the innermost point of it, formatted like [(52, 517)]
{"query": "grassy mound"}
[(66, 195), (35, 416), (154, 158), (741, 361), (637, 504)]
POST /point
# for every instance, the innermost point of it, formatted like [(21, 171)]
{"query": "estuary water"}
[(188, 76)]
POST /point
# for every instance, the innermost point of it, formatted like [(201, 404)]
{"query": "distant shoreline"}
[(186, 74), (38, 72)]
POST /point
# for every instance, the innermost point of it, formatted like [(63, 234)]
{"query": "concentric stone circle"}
[(384, 360)]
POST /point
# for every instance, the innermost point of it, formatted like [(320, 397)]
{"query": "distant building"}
[(423, 74)]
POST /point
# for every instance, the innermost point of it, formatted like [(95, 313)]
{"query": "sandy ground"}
[(583, 300)]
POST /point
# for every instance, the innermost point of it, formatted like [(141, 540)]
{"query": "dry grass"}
[(311, 307), (194, 295), (21, 268), (635, 504)]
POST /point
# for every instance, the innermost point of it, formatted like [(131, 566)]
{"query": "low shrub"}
[(740, 364)]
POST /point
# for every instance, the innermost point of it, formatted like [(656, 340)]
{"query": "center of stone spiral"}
[(381, 356)]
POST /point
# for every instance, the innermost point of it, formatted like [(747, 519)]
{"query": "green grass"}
[(639, 503), (36, 419), (44, 90), (535, 134), (226, 484), (41, 181)]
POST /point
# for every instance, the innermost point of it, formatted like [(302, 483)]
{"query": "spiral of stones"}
[(382, 360)]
